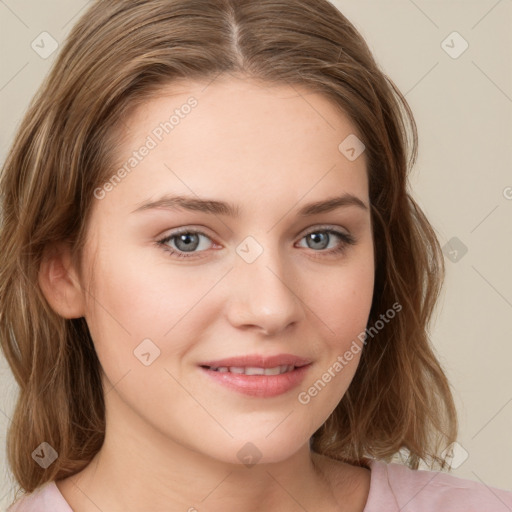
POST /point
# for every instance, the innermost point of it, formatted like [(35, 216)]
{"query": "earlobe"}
[(60, 284)]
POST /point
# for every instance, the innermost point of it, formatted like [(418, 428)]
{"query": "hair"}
[(119, 55)]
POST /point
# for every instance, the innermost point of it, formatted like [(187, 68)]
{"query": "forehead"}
[(234, 108), (235, 138)]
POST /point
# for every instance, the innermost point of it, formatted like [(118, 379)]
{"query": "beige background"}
[(463, 107)]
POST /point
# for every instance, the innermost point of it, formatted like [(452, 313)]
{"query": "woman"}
[(216, 287)]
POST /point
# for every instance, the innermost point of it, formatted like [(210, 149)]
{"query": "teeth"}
[(254, 371), (251, 370), (275, 371)]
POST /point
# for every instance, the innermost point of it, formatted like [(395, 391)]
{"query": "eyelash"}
[(346, 241)]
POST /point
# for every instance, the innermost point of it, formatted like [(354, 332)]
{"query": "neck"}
[(139, 468)]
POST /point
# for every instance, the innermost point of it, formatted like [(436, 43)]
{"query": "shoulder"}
[(402, 489), (46, 498)]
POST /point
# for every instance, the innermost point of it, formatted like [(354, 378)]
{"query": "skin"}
[(173, 434)]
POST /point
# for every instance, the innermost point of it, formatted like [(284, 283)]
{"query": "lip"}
[(262, 386)]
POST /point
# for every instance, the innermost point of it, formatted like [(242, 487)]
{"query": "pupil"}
[(317, 239), (188, 239)]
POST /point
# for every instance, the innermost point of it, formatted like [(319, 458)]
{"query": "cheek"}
[(344, 306), (136, 298), (343, 301)]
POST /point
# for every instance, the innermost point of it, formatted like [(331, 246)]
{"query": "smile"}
[(258, 375), (251, 370)]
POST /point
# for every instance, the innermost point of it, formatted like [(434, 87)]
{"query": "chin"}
[(250, 450)]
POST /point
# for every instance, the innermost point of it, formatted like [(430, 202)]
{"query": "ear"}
[(59, 282)]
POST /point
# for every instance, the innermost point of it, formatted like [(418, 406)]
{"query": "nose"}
[(263, 296)]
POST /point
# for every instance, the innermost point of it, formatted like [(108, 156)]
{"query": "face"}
[(216, 317)]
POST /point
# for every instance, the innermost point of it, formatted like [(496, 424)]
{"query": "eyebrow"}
[(212, 206)]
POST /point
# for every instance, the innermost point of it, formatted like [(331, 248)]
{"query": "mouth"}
[(257, 375), (253, 370)]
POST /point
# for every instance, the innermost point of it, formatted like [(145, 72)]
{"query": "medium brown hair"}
[(120, 54)]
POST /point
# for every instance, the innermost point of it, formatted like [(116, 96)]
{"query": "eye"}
[(187, 241), (320, 239)]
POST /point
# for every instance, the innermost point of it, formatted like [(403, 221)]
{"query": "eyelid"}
[(197, 230), (325, 227)]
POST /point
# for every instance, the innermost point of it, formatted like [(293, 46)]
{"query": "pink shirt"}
[(393, 488)]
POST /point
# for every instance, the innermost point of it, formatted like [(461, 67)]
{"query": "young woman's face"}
[(252, 271)]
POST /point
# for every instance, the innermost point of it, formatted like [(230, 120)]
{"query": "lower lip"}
[(259, 385)]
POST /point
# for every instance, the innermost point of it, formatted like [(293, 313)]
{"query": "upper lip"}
[(258, 361)]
